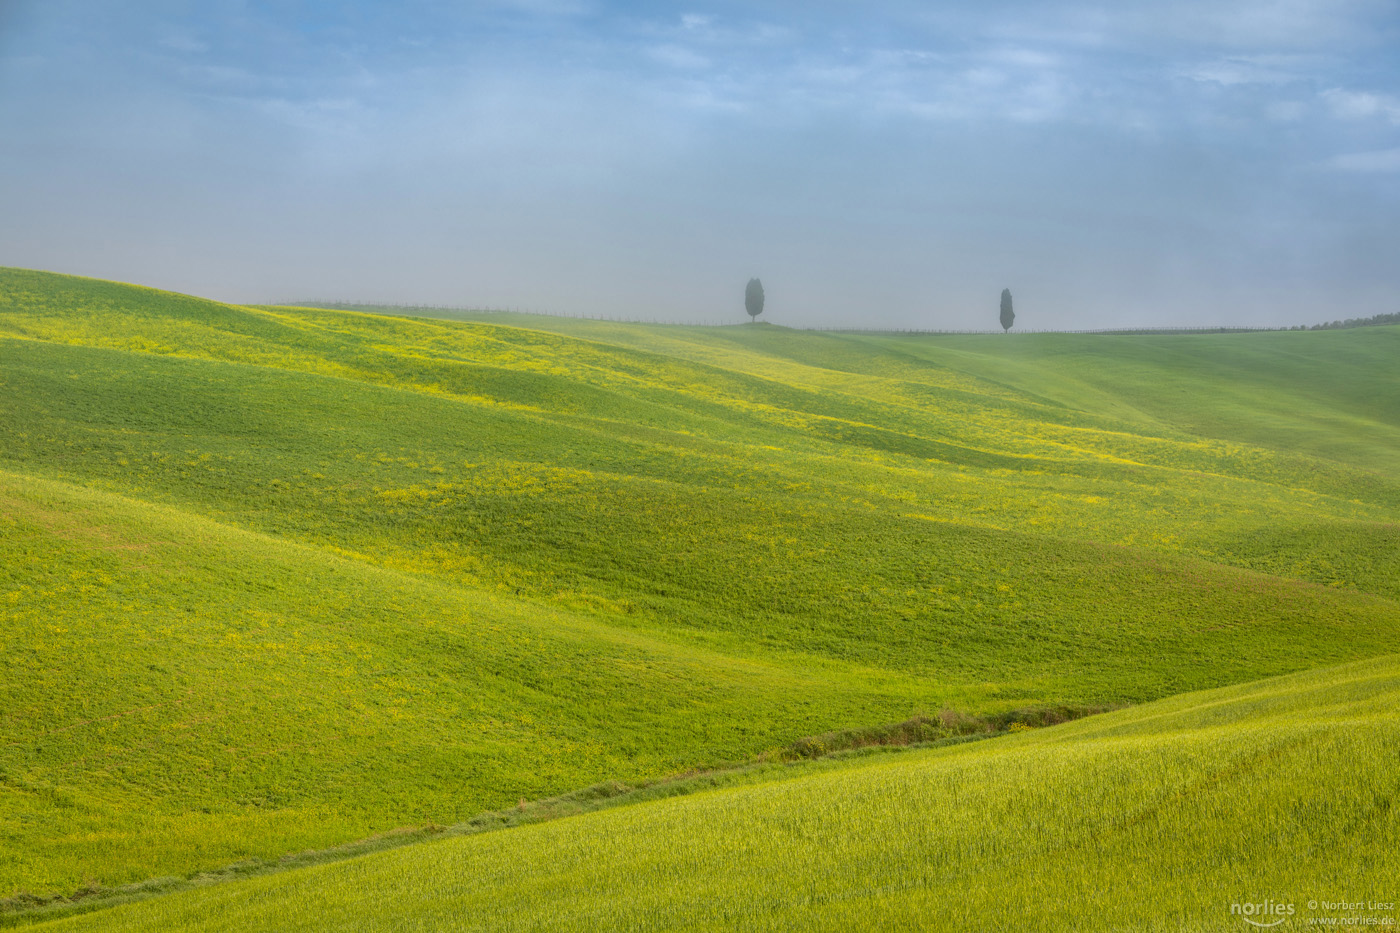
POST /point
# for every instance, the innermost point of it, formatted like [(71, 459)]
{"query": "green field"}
[(276, 579), (1162, 817)]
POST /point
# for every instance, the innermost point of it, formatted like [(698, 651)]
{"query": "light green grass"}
[(179, 694), (274, 579), (1156, 818)]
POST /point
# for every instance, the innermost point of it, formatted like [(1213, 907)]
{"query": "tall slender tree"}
[(1008, 317), (753, 298)]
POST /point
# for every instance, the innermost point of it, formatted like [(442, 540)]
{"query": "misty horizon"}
[(895, 165)]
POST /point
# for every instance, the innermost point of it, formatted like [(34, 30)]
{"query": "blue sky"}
[(882, 163)]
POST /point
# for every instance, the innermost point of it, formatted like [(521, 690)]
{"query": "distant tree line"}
[(1372, 321), (754, 301)]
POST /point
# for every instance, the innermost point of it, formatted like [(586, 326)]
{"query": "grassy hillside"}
[(1170, 816), (180, 693), (279, 578)]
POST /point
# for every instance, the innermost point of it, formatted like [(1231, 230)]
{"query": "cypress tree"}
[(1008, 317), (753, 298)]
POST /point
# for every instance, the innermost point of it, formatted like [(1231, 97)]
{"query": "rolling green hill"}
[(273, 579), (1177, 815)]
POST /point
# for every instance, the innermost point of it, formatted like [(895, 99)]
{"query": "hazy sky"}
[(879, 163)]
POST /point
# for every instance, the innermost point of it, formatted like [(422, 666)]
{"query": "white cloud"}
[(1379, 161), (1230, 72), (1023, 58), (1286, 111), (1362, 105), (1271, 22), (1219, 24), (677, 56), (325, 118)]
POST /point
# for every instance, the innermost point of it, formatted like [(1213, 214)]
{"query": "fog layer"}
[(881, 164)]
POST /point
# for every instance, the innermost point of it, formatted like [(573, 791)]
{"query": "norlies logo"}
[(1269, 913)]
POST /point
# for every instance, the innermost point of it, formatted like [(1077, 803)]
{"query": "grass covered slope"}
[(1159, 817), (179, 693), (281, 578)]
